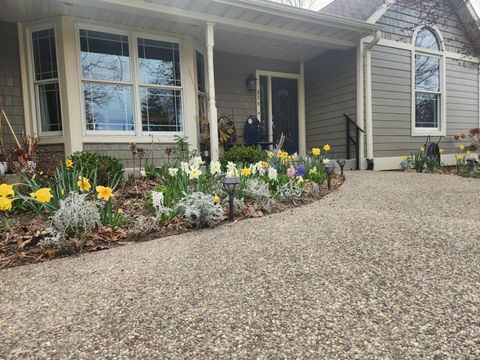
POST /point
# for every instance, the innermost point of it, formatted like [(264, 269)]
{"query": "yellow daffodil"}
[(316, 151), (313, 170), (459, 157), (6, 191), (326, 147), (216, 199), (104, 193), (468, 152), (83, 184), (269, 154), (405, 157), (422, 149), (5, 204), (461, 147), (62, 191), (283, 155), (43, 195), (69, 164), (246, 171), (442, 151)]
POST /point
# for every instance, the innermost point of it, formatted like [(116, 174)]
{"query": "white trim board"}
[(393, 162)]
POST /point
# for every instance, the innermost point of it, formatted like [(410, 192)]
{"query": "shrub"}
[(199, 210), (244, 155), (290, 191), (109, 170), (75, 217), (257, 190)]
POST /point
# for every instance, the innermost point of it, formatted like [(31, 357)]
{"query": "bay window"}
[(127, 91), (45, 81)]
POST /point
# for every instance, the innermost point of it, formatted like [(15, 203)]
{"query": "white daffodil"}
[(195, 173), (172, 172), (184, 166), (215, 168)]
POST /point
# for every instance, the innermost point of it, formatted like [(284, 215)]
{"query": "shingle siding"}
[(10, 82)]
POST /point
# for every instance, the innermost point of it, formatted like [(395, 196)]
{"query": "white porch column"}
[(68, 79), (368, 103), (361, 101), (190, 85), (212, 107)]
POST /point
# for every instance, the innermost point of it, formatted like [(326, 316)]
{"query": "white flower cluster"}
[(157, 203)]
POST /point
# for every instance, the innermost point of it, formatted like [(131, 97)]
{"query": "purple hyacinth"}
[(301, 170)]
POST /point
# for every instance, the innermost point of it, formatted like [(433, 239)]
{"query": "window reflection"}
[(161, 109)]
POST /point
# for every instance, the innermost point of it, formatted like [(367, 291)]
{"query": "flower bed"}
[(80, 209)]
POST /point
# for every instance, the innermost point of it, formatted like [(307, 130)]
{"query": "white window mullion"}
[(137, 108)]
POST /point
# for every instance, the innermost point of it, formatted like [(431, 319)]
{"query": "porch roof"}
[(255, 27)]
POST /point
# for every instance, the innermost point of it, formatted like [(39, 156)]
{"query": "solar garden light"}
[(471, 165), (329, 169), (230, 185), (342, 163)]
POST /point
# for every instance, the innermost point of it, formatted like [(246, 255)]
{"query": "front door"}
[(278, 109), (285, 112)]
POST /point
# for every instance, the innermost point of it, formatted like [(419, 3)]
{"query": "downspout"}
[(368, 98)]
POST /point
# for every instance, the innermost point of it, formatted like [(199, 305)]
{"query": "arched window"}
[(428, 80)]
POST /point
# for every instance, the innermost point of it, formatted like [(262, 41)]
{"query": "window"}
[(202, 101), (45, 81), (428, 83), (107, 86), (160, 82), (112, 86)]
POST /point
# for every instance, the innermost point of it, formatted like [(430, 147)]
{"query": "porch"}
[(308, 57)]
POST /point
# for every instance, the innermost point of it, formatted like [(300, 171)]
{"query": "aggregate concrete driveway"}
[(388, 267)]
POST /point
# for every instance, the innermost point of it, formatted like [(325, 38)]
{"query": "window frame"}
[(34, 84), (440, 130), (133, 36)]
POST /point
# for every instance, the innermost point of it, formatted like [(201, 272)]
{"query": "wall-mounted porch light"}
[(251, 83)]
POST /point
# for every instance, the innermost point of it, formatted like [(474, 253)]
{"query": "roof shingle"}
[(353, 9)]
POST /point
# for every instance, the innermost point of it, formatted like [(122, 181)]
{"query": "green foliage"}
[(109, 170), (418, 161), (244, 155)]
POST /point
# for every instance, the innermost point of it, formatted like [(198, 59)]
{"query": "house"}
[(96, 75)]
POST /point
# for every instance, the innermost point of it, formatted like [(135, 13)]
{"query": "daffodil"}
[(459, 157), (246, 171), (69, 164), (405, 157), (184, 166), (313, 170), (442, 151), (83, 184), (6, 191), (43, 195), (172, 172), (316, 151), (195, 173), (326, 147), (215, 168), (468, 152), (461, 147), (283, 155), (422, 149), (104, 193), (270, 154), (216, 199), (5, 204)]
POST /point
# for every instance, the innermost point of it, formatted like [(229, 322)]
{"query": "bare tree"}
[(440, 13), (306, 4)]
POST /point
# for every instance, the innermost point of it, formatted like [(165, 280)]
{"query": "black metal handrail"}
[(351, 139)]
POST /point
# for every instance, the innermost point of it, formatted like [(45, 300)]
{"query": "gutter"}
[(368, 98)]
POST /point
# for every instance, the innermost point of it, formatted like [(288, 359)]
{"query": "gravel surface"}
[(388, 267)]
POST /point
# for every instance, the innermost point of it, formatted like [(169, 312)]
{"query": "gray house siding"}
[(10, 82), (399, 23), (330, 88), (231, 70), (391, 90), (392, 87)]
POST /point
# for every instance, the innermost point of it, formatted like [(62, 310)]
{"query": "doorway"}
[(278, 107)]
